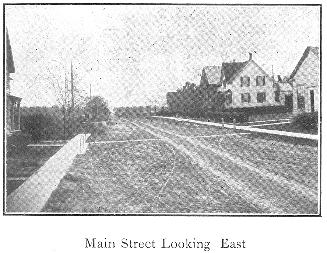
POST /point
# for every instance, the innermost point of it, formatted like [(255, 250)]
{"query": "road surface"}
[(162, 166)]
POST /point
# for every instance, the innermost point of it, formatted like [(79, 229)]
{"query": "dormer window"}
[(245, 81)]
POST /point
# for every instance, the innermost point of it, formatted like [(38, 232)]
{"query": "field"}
[(162, 166)]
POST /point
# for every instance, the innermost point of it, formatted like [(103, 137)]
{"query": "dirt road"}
[(161, 166)]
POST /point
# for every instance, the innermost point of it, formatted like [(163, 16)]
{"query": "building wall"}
[(251, 70), (303, 90), (9, 124), (12, 113), (285, 90), (306, 79)]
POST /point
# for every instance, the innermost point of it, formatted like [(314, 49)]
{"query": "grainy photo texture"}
[(162, 109)]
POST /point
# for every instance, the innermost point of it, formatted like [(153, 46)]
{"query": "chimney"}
[(250, 56)]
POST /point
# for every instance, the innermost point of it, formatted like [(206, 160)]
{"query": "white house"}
[(247, 85), (12, 102), (306, 82)]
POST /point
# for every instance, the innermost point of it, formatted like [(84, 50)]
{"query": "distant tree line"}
[(135, 111)]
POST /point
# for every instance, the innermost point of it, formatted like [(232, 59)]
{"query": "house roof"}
[(314, 50), (213, 74), (230, 69), (9, 60), (13, 98)]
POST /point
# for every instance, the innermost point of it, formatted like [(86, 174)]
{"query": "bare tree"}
[(62, 91)]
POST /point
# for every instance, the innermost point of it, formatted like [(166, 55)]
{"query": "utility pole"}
[(72, 113), (65, 106), (90, 90), (72, 83)]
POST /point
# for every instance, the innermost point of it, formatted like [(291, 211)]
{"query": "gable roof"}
[(230, 69), (213, 74), (314, 50), (9, 59)]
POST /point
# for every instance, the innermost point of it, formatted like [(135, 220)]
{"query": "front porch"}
[(12, 113)]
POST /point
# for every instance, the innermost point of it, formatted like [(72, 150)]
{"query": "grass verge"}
[(22, 161), (289, 127)]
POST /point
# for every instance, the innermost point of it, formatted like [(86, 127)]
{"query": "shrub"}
[(17, 142), (259, 110), (165, 113), (228, 117), (39, 126), (306, 121), (96, 128)]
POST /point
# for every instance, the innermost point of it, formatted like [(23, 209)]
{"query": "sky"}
[(134, 55)]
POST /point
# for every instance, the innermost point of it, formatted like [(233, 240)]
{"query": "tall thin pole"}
[(90, 90), (65, 106), (72, 83), (72, 125)]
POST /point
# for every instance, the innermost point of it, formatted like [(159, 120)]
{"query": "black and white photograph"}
[(162, 110)]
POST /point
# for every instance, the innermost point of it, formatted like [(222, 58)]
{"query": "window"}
[(245, 81), (261, 97), (260, 80), (300, 102), (312, 100), (277, 96), (245, 98), (228, 97)]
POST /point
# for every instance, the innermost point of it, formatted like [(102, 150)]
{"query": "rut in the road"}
[(292, 185), (251, 196)]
